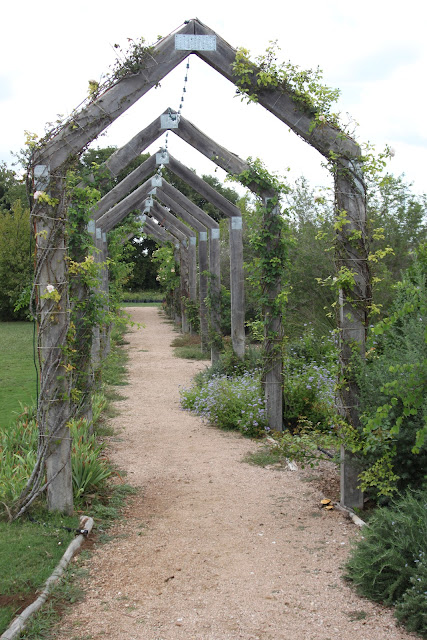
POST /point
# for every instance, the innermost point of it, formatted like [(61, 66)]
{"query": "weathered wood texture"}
[(88, 123), (202, 187), (203, 290), (353, 321), (215, 292), (237, 286), (134, 201), (273, 329), (53, 411), (124, 188)]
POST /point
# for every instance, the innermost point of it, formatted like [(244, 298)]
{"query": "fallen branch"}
[(21, 621)]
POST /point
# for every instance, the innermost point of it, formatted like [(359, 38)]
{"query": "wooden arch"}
[(48, 168)]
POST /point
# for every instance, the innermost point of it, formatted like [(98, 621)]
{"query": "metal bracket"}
[(193, 241), (156, 181), (162, 157), (104, 237), (142, 218), (91, 226), (98, 233), (152, 192), (169, 121), (214, 234), (41, 176), (203, 236), (236, 222), (186, 42)]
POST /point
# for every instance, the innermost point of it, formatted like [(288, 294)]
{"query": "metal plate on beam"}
[(142, 218), (186, 42), (203, 236), (193, 241), (91, 226), (169, 121), (236, 222), (152, 192), (156, 181), (162, 157), (149, 202), (104, 237), (98, 233), (215, 234)]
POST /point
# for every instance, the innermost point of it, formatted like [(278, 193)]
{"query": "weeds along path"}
[(212, 548)]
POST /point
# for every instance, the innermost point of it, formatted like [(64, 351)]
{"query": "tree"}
[(15, 260)]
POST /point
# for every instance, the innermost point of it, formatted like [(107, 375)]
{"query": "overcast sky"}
[(375, 54)]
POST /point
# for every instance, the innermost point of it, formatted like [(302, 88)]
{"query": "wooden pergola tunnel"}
[(167, 214)]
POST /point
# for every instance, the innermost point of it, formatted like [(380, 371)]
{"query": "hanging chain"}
[(176, 115)]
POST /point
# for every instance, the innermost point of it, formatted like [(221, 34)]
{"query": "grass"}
[(17, 371), (188, 346), (264, 456), (140, 304), (30, 552), (31, 549)]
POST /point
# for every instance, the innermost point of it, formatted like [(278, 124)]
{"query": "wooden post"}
[(96, 336), (237, 286), (51, 284), (215, 294), (203, 289), (105, 287), (273, 330), (352, 254)]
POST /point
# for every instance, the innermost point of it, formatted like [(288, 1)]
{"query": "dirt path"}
[(212, 548)]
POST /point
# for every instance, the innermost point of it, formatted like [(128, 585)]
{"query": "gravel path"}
[(212, 548)]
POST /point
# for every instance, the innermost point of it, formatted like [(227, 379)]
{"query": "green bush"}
[(229, 403), (310, 374), (388, 563), (393, 381)]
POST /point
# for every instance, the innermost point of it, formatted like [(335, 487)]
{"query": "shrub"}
[(229, 403), (388, 564), (310, 374)]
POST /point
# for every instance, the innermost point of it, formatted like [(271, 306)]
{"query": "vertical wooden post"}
[(203, 289), (185, 289), (51, 284), (215, 293), (273, 330), (105, 287), (96, 337), (237, 286), (352, 254)]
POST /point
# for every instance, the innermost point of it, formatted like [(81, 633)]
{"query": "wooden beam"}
[(325, 138), (117, 213), (125, 187), (202, 187), (88, 123)]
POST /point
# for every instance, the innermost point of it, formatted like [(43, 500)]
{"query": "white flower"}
[(391, 152), (318, 196), (37, 194), (50, 288), (322, 118)]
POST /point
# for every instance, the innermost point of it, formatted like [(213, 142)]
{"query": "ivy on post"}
[(50, 306), (271, 268), (353, 280)]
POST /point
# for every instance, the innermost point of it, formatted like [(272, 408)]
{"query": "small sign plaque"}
[(185, 42), (236, 222)]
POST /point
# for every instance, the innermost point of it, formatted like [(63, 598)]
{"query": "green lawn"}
[(17, 371)]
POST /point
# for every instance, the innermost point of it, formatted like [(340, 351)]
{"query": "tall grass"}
[(18, 377)]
